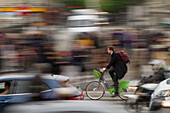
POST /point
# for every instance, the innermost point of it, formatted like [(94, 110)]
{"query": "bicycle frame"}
[(103, 80), (122, 85)]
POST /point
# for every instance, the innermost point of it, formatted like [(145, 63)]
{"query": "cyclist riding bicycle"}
[(118, 70)]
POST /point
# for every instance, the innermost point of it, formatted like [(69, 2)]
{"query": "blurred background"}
[(72, 35)]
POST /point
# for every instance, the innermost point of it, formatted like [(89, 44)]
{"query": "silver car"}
[(161, 93)]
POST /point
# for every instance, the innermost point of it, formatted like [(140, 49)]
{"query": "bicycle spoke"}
[(95, 90)]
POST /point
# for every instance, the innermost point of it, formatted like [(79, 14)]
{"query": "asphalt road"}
[(116, 101)]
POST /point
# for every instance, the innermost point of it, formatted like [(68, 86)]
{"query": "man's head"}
[(157, 64), (7, 85), (110, 49)]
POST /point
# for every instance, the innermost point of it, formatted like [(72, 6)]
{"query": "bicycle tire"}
[(121, 94), (93, 87)]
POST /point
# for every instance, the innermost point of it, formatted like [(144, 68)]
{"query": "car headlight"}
[(165, 104), (164, 93)]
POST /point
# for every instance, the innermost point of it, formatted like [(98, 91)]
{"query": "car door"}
[(48, 89), (21, 92), (24, 90)]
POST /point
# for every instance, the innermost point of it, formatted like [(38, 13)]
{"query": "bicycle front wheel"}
[(95, 90)]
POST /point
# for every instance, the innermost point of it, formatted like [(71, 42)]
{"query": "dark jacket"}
[(112, 61), (156, 78), (118, 65)]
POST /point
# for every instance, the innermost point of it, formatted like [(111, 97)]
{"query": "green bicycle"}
[(96, 89)]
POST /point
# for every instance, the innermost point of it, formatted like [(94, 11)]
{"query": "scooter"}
[(139, 101)]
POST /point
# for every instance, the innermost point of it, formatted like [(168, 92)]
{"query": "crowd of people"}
[(24, 51)]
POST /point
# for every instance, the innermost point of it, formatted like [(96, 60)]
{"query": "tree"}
[(114, 6)]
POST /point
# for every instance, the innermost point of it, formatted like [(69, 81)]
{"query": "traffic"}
[(84, 56)]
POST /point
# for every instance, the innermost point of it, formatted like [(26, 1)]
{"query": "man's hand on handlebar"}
[(103, 69)]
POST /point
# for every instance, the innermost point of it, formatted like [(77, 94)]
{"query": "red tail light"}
[(80, 97)]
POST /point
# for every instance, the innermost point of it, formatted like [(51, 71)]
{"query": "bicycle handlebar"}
[(101, 72)]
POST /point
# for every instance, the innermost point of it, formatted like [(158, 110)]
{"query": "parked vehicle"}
[(25, 87)]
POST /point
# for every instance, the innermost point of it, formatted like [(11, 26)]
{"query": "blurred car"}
[(68, 106), (161, 93), (26, 86), (103, 17), (82, 23)]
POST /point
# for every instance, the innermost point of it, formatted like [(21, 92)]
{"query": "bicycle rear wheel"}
[(123, 92), (95, 90)]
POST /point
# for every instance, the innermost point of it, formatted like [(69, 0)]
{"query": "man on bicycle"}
[(117, 68)]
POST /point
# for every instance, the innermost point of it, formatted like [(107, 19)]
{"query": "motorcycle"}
[(139, 100)]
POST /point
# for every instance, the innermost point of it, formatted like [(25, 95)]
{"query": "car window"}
[(28, 86), (40, 86), (45, 86), (5, 89), (2, 85), (23, 87), (2, 88)]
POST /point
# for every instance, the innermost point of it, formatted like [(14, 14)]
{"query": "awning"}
[(26, 9)]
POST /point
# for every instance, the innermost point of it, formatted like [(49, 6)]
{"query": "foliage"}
[(114, 6), (73, 3)]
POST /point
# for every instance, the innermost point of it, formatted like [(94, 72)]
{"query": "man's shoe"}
[(115, 95)]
